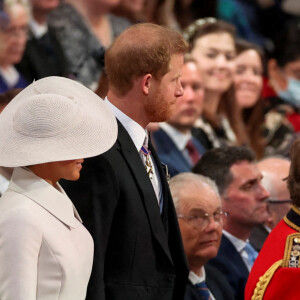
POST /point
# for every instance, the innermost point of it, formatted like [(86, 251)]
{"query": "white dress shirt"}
[(240, 247), (194, 279)]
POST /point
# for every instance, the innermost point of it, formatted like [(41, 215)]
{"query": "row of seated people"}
[(233, 111)]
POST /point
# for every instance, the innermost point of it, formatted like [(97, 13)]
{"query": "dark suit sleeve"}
[(95, 195)]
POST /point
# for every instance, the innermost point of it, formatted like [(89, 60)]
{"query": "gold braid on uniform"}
[(264, 280), (290, 260)]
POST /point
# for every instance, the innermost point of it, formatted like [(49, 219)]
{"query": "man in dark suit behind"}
[(123, 195), (199, 210), (243, 197)]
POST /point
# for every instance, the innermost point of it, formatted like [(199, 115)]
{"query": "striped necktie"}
[(203, 291), (252, 253)]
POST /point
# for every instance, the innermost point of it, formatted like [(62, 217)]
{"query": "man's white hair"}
[(181, 184)]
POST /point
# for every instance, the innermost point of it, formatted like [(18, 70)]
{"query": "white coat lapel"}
[(55, 202)]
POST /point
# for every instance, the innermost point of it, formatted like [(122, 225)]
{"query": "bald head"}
[(274, 170), (141, 49)]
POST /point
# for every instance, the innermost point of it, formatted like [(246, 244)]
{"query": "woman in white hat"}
[(45, 131)]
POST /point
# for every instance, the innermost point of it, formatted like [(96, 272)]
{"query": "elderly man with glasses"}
[(199, 211)]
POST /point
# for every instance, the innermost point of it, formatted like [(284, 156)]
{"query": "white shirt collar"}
[(136, 131), (194, 278), (237, 243), (10, 75), (54, 200), (38, 30), (180, 139)]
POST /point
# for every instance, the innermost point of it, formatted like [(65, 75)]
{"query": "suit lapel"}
[(134, 162)]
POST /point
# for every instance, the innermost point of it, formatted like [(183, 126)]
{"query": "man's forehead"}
[(245, 170)]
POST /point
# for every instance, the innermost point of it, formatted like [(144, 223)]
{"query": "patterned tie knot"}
[(252, 253), (203, 291), (193, 152)]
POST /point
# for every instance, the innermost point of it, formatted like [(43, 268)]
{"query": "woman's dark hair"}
[(287, 44), (253, 117)]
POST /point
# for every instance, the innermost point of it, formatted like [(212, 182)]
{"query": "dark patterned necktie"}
[(203, 291), (193, 152)]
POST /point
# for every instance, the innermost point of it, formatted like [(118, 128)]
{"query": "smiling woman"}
[(213, 47), (248, 83)]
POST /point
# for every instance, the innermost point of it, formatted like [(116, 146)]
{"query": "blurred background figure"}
[(274, 170), (14, 18), (262, 135), (248, 84), (85, 28), (43, 54), (200, 216), (5, 173), (213, 46), (174, 142), (133, 10), (283, 99)]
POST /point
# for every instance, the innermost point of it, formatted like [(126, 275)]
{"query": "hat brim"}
[(89, 132)]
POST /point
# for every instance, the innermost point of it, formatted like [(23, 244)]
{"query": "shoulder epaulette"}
[(290, 260)]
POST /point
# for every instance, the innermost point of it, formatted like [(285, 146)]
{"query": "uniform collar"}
[(56, 202), (292, 218)]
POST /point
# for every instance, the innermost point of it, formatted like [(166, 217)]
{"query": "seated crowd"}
[(218, 204)]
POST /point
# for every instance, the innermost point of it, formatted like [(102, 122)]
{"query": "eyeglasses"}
[(271, 201), (203, 220), (16, 32)]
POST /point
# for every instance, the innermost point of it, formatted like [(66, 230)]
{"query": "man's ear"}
[(146, 83), (277, 80)]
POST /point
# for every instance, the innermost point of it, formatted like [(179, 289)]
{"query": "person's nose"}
[(179, 91), (263, 193), (222, 61), (189, 94), (212, 225)]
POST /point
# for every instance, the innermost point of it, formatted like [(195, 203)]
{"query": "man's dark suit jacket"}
[(138, 252), (217, 284), (258, 236), (231, 264), (170, 155), (43, 57)]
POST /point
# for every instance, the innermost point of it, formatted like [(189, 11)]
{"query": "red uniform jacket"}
[(276, 271)]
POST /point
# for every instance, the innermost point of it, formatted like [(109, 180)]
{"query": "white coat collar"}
[(56, 202)]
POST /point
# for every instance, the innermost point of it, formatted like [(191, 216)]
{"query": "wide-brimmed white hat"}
[(55, 119)]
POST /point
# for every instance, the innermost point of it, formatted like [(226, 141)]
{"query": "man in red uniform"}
[(278, 262)]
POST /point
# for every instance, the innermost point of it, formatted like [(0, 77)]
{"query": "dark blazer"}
[(231, 264), (138, 252), (258, 236), (43, 57), (217, 284), (170, 155)]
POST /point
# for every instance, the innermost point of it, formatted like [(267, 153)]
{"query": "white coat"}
[(45, 252)]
